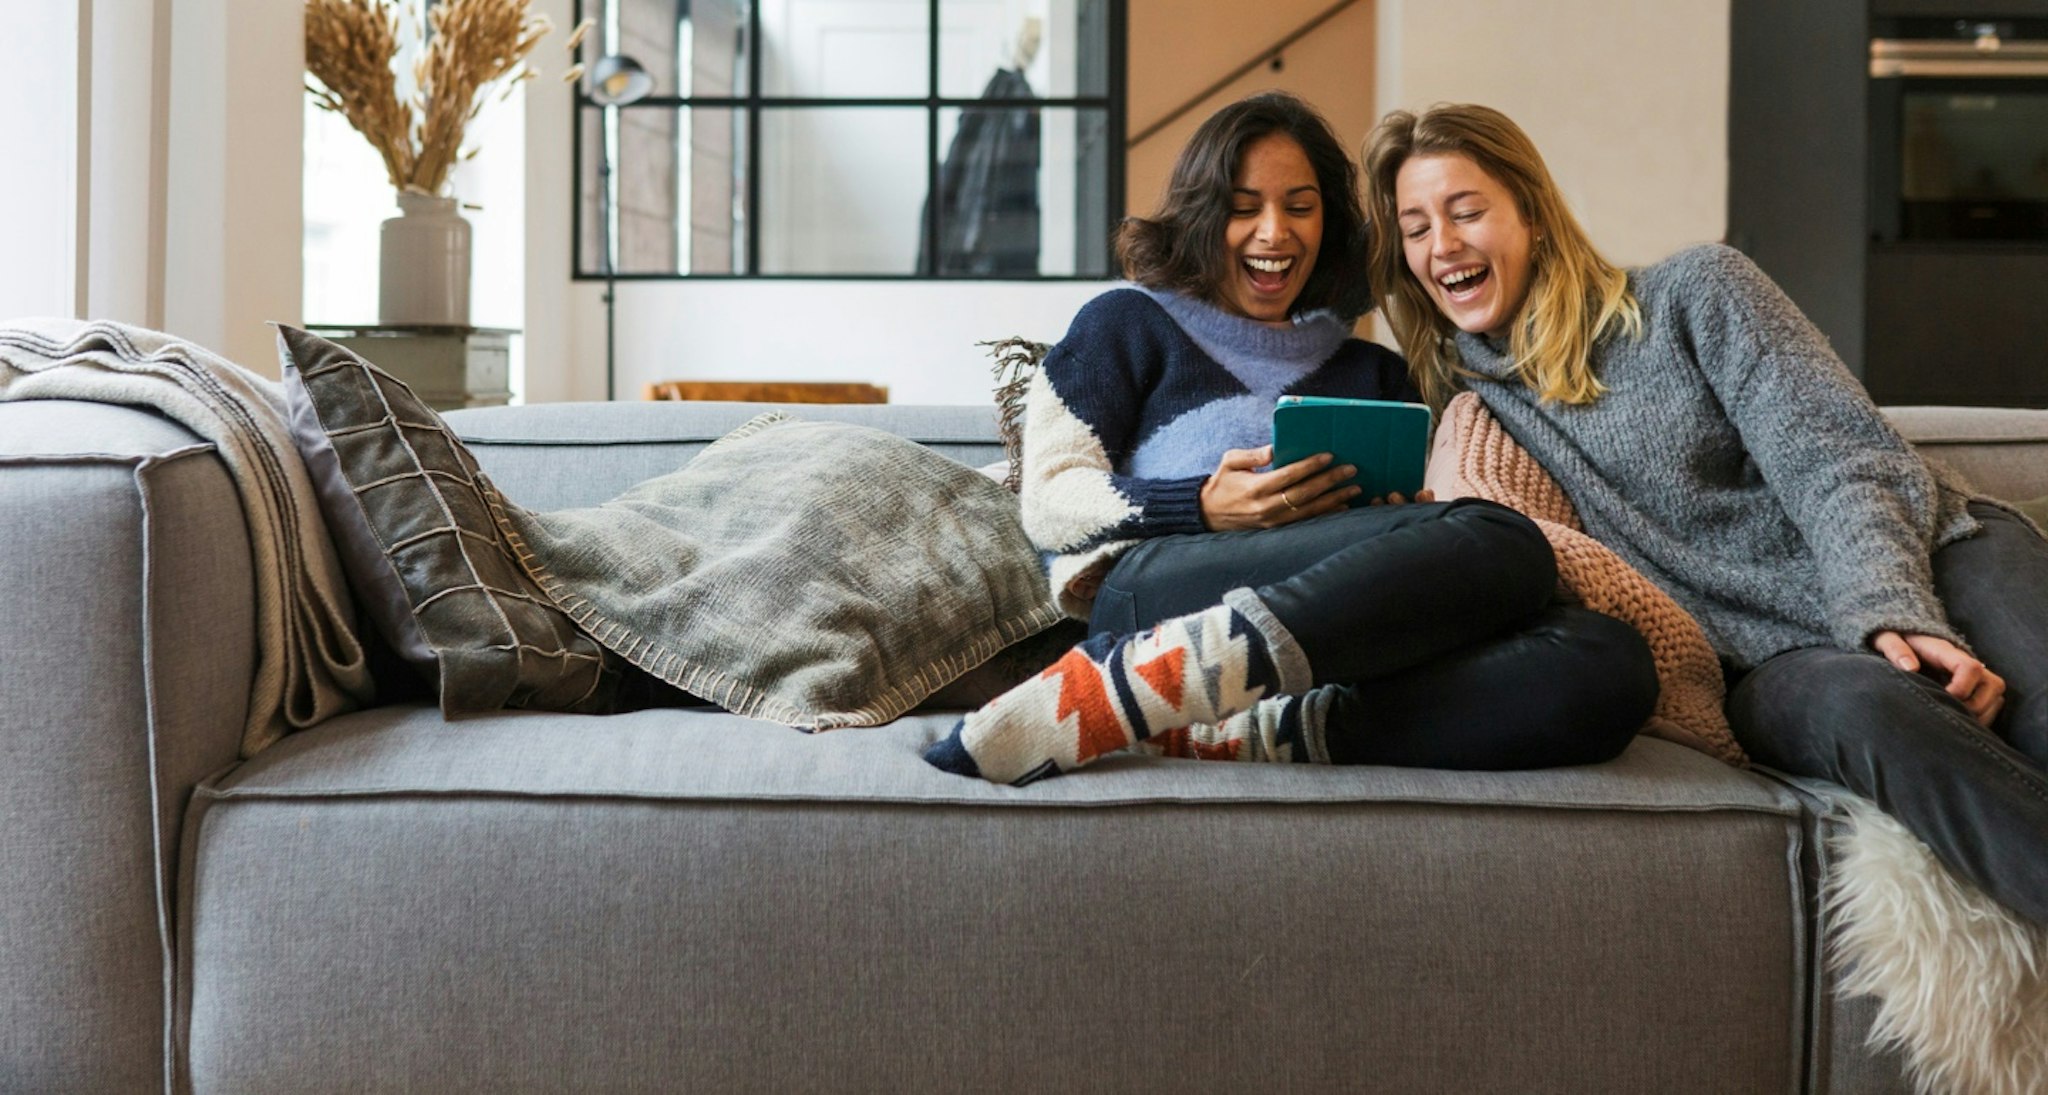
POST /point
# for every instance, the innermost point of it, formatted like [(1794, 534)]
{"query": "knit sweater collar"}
[(1485, 355), (1266, 358)]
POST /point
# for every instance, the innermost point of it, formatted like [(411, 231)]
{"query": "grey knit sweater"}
[(1737, 464)]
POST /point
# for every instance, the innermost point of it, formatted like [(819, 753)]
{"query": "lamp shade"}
[(618, 80)]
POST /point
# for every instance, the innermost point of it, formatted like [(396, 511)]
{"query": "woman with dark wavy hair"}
[(1183, 249), (1249, 612)]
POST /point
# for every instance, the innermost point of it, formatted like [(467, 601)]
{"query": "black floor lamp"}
[(616, 81)]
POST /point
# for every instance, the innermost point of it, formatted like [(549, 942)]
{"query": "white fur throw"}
[(1961, 981)]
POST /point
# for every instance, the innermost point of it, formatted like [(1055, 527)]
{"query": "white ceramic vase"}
[(423, 268)]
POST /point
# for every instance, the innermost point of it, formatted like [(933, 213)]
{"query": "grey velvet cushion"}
[(818, 574), (417, 526)]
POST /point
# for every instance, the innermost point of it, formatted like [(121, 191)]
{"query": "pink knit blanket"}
[(1475, 458)]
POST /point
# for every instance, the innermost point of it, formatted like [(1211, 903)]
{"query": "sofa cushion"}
[(417, 526), (129, 641), (390, 906), (558, 455), (706, 754), (2000, 451)]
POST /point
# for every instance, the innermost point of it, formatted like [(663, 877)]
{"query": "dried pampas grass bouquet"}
[(468, 51)]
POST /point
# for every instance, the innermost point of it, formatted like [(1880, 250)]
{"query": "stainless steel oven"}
[(1959, 130)]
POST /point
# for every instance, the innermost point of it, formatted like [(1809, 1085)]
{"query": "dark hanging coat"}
[(988, 190)]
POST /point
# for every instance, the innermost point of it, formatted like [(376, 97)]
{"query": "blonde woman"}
[(1879, 627)]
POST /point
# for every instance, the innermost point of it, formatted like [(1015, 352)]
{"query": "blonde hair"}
[(1576, 297)]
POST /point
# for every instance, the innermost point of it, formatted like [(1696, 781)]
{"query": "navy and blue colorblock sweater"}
[(1136, 405)]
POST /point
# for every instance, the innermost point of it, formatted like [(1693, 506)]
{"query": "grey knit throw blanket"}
[(816, 574), (309, 664)]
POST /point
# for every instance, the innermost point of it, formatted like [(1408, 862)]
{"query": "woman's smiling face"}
[(1275, 229), (1465, 240)]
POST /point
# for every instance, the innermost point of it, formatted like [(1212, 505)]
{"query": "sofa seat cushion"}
[(707, 754), (687, 900)]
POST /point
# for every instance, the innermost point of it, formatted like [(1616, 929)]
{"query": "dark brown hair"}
[(1180, 247)]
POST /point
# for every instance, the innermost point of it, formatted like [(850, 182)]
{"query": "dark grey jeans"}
[(1978, 797), (1431, 624)]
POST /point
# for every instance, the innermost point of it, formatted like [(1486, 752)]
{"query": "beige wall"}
[(1628, 99), (1179, 47)]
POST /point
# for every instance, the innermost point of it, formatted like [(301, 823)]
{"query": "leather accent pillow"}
[(421, 536)]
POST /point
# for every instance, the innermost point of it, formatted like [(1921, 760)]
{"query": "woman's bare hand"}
[(1239, 496), (1971, 682), (1394, 498)]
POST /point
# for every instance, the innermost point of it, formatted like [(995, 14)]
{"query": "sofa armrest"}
[(128, 639)]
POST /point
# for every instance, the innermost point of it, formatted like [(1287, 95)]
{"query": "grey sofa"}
[(683, 900)]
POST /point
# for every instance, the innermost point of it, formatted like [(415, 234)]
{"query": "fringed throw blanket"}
[(309, 664), (1961, 982)]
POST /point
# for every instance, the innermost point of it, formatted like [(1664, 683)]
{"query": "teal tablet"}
[(1388, 442)]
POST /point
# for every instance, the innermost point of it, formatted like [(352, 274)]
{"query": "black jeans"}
[(1978, 797), (1431, 622)]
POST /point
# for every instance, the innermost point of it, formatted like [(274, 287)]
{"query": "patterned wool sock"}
[(1109, 693), (1275, 730)]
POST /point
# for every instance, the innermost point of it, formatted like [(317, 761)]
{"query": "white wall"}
[(233, 189), (42, 97), (553, 370), (125, 195), (915, 338), (1628, 101), (155, 179)]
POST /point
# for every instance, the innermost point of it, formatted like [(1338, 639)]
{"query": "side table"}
[(768, 391), (448, 367)]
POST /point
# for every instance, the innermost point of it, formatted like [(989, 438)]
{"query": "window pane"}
[(1059, 46), (680, 182), (843, 49), (1023, 193), (842, 189), (690, 47)]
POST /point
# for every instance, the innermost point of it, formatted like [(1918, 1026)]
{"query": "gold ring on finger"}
[(1289, 501)]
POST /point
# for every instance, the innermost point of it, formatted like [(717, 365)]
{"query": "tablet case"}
[(1388, 442)]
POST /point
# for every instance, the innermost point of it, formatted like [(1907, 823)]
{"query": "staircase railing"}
[(1260, 58)]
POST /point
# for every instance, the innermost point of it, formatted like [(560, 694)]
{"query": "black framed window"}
[(854, 139)]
